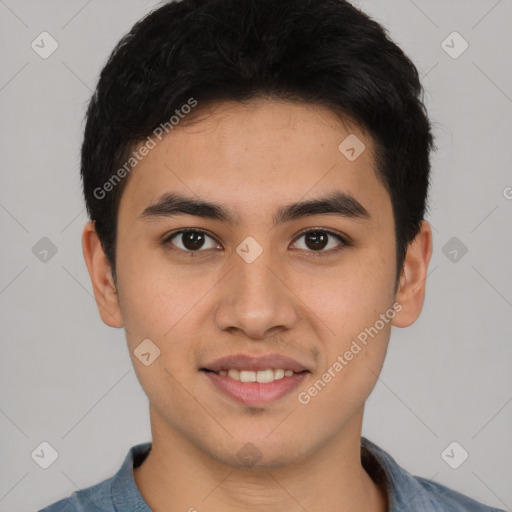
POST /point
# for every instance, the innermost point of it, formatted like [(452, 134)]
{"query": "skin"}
[(253, 158)]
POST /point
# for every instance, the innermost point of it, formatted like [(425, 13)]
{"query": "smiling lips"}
[(255, 380)]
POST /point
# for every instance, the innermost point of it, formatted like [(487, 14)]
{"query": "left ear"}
[(411, 289)]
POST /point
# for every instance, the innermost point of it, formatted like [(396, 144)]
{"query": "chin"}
[(260, 454)]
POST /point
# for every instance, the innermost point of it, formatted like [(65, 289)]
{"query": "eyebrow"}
[(337, 203)]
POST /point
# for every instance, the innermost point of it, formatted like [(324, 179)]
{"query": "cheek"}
[(158, 308), (351, 296), (152, 295), (160, 304), (354, 334)]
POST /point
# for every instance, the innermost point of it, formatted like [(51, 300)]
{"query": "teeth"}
[(278, 374), (248, 376), (234, 374), (265, 376), (262, 376)]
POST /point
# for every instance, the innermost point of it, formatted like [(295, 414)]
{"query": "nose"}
[(257, 298)]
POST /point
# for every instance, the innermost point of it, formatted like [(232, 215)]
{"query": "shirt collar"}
[(124, 491), (404, 491)]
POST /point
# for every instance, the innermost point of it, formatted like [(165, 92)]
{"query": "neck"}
[(177, 476)]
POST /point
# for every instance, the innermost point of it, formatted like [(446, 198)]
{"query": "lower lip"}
[(255, 393)]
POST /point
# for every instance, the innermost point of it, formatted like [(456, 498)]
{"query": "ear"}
[(100, 273), (411, 288)]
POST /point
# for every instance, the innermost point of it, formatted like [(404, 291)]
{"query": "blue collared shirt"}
[(406, 493)]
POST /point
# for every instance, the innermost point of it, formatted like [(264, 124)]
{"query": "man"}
[(256, 175)]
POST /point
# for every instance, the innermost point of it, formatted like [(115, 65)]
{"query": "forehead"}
[(260, 153)]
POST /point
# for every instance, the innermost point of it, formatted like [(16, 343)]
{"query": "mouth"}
[(255, 380)]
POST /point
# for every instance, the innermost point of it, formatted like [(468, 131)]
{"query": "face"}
[(249, 277)]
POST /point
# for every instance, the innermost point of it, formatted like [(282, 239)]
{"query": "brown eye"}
[(191, 240), (317, 240)]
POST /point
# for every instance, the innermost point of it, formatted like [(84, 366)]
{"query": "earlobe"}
[(100, 273), (411, 288)]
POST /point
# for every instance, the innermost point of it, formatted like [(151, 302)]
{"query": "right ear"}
[(100, 272)]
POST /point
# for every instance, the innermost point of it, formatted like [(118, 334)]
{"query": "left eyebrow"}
[(337, 203)]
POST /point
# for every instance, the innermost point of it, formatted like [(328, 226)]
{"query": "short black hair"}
[(323, 52)]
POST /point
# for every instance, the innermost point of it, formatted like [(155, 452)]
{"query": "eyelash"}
[(343, 240)]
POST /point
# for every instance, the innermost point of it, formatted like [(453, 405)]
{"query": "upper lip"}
[(247, 362)]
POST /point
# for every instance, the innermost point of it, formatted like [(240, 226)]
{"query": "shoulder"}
[(450, 500), (116, 493), (92, 499), (408, 492)]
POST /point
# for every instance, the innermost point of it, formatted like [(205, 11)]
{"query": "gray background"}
[(66, 378)]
